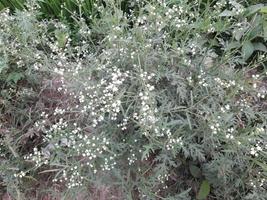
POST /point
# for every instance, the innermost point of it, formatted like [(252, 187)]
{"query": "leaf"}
[(265, 29), (147, 151), (195, 171), (254, 8), (61, 38), (259, 46), (31, 178), (238, 33), (227, 13), (262, 165), (232, 45), (256, 28), (264, 10), (204, 190), (188, 120), (15, 77), (2, 64), (247, 50)]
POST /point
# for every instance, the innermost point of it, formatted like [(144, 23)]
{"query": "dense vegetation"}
[(133, 99)]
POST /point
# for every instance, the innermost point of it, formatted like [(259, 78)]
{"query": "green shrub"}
[(167, 102), (59, 9)]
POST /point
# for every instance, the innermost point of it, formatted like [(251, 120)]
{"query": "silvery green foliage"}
[(157, 103)]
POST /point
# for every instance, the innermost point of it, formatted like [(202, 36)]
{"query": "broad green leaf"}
[(256, 28), (238, 33), (254, 8), (204, 190), (247, 50), (232, 45), (195, 171), (259, 46)]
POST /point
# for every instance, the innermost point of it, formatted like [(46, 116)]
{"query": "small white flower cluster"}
[(72, 178), (21, 174), (219, 5), (225, 108), (179, 22), (255, 78), (170, 12), (202, 78), (243, 103), (89, 147), (215, 127), (132, 158), (260, 182), (261, 91), (59, 71), (109, 163), (229, 134), (37, 157), (84, 30), (163, 178), (190, 80), (2, 154), (141, 20), (252, 183), (263, 57), (193, 48), (237, 8), (260, 130), (147, 116), (59, 111), (225, 84), (5, 19), (262, 94), (263, 182), (75, 179), (162, 132), (173, 142), (102, 97), (211, 29), (123, 125), (56, 128), (254, 151)]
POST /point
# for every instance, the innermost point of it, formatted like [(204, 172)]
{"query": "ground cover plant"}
[(60, 9), (146, 100)]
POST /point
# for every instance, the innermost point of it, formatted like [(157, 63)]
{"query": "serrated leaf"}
[(195, 171), (247, 50), (147, 151), (204, 190)]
